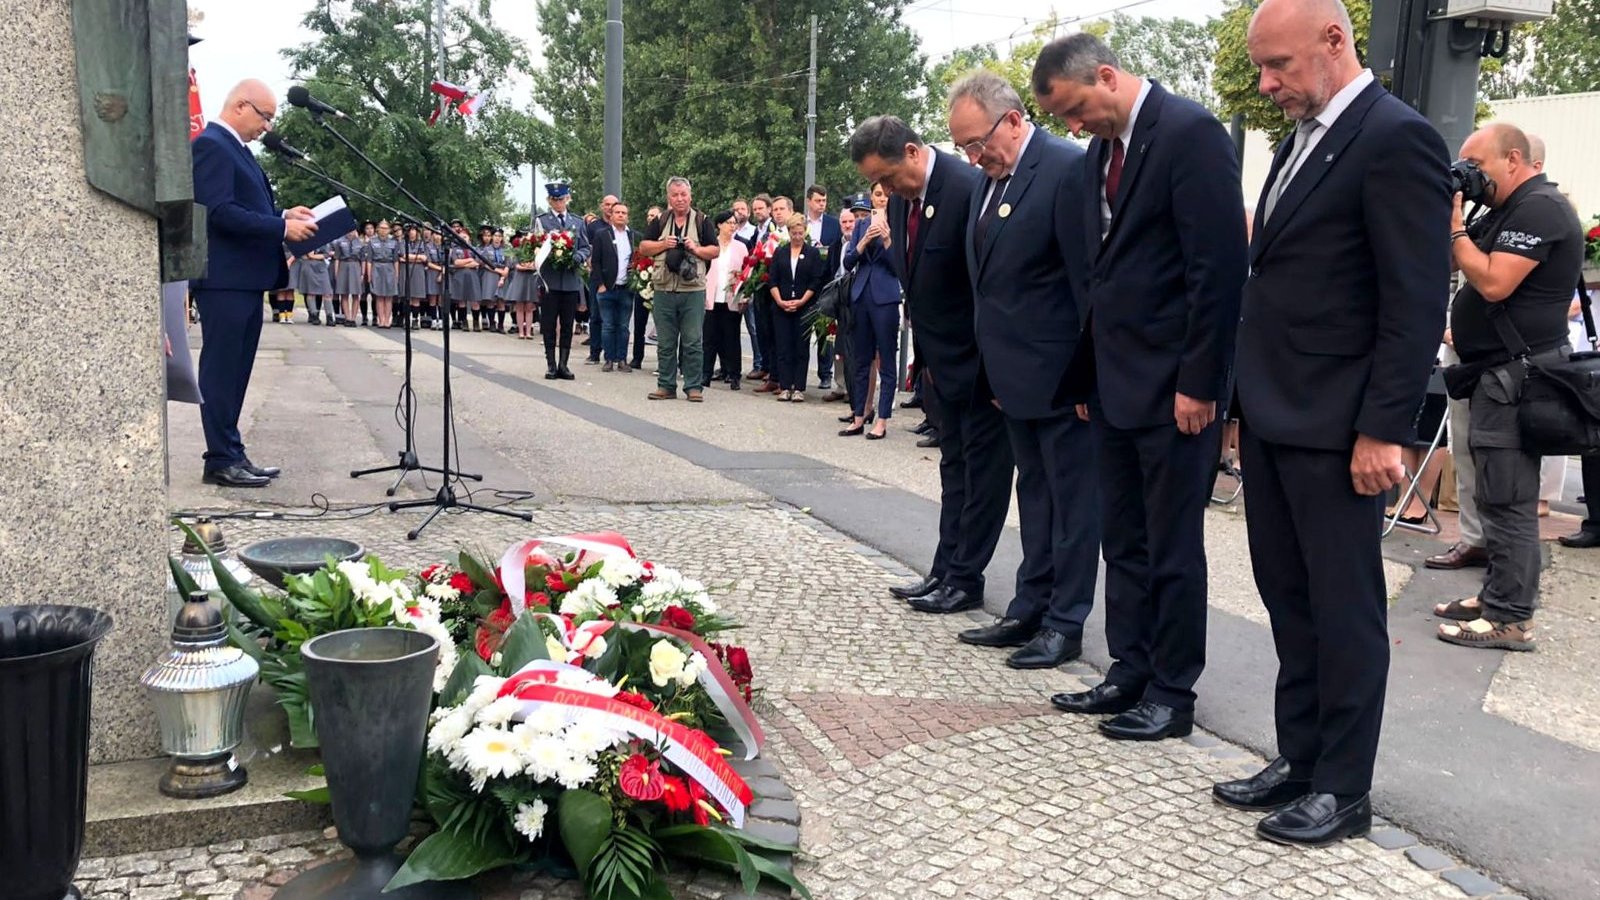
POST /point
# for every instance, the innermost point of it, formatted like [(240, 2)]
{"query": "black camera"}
[(681, 262), (1470, 182)]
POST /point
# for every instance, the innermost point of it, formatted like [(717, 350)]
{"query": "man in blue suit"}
[(245, 233), (1163, 227), (1025, 252), (930, 195)]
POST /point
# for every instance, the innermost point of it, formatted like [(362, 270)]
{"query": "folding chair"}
[(1413, 487)]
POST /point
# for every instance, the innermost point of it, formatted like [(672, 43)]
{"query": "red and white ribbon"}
[(690, 750), (724, 693), (514, 563)]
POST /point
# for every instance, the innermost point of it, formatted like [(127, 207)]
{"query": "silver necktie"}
[(1302, 142)]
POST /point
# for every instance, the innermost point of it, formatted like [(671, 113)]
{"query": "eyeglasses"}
[(264, 117), (974, 149)]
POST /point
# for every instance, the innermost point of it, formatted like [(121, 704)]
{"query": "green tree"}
[(374, 59), (1235, 77), (932, 121), (1558, 55), (716, 92), (1177, 52), (1016, 68)]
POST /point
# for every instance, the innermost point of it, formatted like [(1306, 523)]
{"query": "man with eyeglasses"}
[(1025, 249), (245, 233)]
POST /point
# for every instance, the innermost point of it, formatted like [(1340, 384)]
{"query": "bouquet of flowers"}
[(755, 276), (639, 278), (1591, 243), (562, 257), (524, 246)]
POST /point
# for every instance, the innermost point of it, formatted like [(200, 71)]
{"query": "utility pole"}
[(811, 111), (612, 146)]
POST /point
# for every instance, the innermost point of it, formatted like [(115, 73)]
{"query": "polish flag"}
[(454, 92), (470, 105), (197, 119)]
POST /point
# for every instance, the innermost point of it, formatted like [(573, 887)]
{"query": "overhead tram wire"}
[(1034, 24)]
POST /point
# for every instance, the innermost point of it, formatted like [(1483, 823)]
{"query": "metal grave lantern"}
[(193, 560), (199, 688)]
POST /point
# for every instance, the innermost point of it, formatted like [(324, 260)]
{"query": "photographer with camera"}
[(684, 242), (1520, 262)]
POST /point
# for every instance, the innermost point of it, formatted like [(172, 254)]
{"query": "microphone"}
[(299, 96), (274, 141)]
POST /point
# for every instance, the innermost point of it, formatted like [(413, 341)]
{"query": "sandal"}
[(1464, 610), (1490, 635)]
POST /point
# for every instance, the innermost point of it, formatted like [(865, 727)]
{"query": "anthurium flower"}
[(640, 778)]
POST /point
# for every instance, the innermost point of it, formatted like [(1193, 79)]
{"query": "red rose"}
[(677, 617), (739, 665), (765, 277), (461, 582), (675, 794), (492, 632), (634, 698), (641, 779), (538, 599), (429, 572)]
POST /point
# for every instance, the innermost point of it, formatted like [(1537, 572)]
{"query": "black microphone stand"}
[(408, 400), (446, 497)]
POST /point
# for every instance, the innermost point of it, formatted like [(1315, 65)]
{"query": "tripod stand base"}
[(408, 464), (446, 499)]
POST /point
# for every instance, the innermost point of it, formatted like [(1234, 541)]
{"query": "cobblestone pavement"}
[(922, 767)]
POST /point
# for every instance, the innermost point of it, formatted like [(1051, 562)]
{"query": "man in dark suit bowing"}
[(930, 196), (1164, 232), (245, 233), (1341, 318), (1025, 252)]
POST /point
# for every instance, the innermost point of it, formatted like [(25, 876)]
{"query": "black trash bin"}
[(46, 659)]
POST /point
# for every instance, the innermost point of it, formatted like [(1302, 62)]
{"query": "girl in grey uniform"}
[(486, 279), (465, 283), (349, 267), (435, 250), (383, 259), (523, 291), (494, 281), (413, 274), (364, 299), (315, 281)]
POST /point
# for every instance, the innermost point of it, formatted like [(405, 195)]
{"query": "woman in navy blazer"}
[(875, 315), (797, 272)]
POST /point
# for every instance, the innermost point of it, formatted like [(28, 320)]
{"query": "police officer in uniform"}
[(563, 297)]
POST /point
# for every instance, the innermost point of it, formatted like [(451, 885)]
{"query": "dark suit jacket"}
[(1164, 284), (936, 280), (604, 255), (244, 227), (1344, 307), (810, 275), (1028, 306), (876, 282)]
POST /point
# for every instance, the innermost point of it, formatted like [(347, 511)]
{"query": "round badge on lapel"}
[(927, 212), (1004, 210)]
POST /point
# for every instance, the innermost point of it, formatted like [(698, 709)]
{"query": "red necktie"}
[(913, 222), (1114, 173)]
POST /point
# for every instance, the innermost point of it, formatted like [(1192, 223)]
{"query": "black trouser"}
[(558, 309), (1591, 492), (1060, 519), (975, 473), (791, 347), (1154, 490), (722, 342), (641, 321), (1314, 551)]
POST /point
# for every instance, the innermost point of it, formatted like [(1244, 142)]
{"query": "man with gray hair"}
[(685, 241), (1025, 252)]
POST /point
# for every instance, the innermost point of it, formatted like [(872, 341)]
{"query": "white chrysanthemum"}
[(546, 719), (574, 773), (491, 753), (543, 755), (529, 820), (425, 604), (583, 681), (443, 593), (666, 663), (706, 604), (358, 573), (621, 571), (668, 578), (484, 691), (447, 647), (594, 649), (499, 712), (589, 596), (692, 670), (448, 731), (585, 737)]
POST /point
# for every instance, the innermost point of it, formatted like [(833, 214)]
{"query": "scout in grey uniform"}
[(522, 290), (383, 268), (315, 281), (486, 276), (435, 249), (349, 269), (494, 281), (465, 285), (414, 274)]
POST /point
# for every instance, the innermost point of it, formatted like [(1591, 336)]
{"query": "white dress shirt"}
[(1127, 143), (1027, 138), (927, 173), (814, 229), (619, 237), (229, 129)]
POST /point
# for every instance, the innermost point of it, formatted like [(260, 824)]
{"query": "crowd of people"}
[(1085, 319)]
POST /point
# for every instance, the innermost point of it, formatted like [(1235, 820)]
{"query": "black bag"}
[(835, 295), (1559, 411)]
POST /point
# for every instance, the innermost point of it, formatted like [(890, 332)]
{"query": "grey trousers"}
[(1507, 498)]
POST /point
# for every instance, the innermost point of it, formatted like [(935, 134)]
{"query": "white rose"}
[(556, 649), (666, 663), (693, 670), (621, 571)]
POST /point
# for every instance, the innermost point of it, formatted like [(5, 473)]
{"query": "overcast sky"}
[(244, 40)]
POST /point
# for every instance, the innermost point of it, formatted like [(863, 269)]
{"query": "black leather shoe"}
[(945, 599), (1003, 633), (565, 374), (261, 471), (235, 476), (923, 427), (1048, 649), (913, 403), (1105, 699), (916, 589), (931, 440), (1582, 540), (1317, 820), (1269, 789), (1149, 721)]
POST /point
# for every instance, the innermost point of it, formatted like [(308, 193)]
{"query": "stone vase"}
[(371, 689), (46, 668)]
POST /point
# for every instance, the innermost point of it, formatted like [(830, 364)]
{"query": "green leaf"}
[(180, 577), (245, 642), (524, 643), (585, 821), (770, 869), (481, 577), (726, 846), (468, 667), (256, 608), (313, 795), (447, 856)]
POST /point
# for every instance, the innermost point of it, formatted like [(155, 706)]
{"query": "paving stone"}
[(1429, 858), (776, 810), (1471, 882), (1392, 838)]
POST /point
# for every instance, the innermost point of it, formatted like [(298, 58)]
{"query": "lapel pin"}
[(927, 212), (1005, 210), (1329, 158)]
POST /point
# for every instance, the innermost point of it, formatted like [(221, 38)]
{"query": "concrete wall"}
[(82, 486)]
